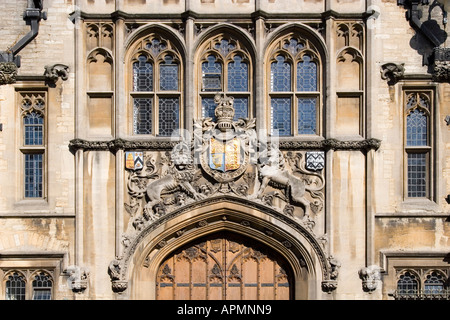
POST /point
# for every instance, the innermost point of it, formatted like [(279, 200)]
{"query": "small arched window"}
[(225, 67), (42, 286), (407, 284), (294, 87), (15, 287), (156, 93)]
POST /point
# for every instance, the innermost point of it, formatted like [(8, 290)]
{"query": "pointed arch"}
[(299, 247)]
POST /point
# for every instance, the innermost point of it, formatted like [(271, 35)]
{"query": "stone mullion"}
[(189, 78), (260, 109)]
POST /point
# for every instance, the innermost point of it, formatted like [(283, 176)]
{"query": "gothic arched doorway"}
[(224, 265)]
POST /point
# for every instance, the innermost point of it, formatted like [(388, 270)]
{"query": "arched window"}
[(434, 283), (418, 144), (156, 93), (225, 67), (15, 287), (294, 87), (42, 286), (407, 284)]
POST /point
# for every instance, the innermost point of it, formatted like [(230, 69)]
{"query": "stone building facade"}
[(212, 149)]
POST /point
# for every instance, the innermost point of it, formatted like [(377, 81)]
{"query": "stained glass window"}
[(212, 74), (306, 75), (417, 128), (33, 129), (168, 75), (280, 75), (142, 74), (280, 116), (15, 287), (417, 175), (42, 287), (237, 75), (142, 115), (168, 115), (307, 115)]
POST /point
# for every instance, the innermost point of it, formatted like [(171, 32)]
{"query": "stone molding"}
[(121, 144)]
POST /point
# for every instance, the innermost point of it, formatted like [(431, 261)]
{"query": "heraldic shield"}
[(224, 144), (224, 156)]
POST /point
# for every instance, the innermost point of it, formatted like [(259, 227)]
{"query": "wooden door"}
[(224, 267)]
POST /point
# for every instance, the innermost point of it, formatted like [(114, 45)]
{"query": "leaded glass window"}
[(33, 129), (156, 67), (281, 116), (237, 75), (143, 74), (42, 287), (15, 287), (417, 175), (225, 67), (212, 74), (142, 115), (306, 75), (32, 107), (168, 115), (434, 283), (34, 175), (418, 143), (407, 284), (280, 75), (417, 128), (294, 87), (307, 110)]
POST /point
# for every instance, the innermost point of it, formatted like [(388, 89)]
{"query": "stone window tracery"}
[(156, 90), (422, 284), (28, 285), (294, 87)]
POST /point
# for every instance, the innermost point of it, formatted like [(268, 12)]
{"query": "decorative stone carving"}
[(53, 72), (330, 284), (274, 170), (370, 276), (392, 72), (222, 160), (223, 148), (441, 67), (8, 72), (115, 273), (78, 278)]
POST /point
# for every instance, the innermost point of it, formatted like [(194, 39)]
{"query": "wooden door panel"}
[(224, 266)]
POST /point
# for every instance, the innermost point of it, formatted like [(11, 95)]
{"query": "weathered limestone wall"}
[(33, 232)]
